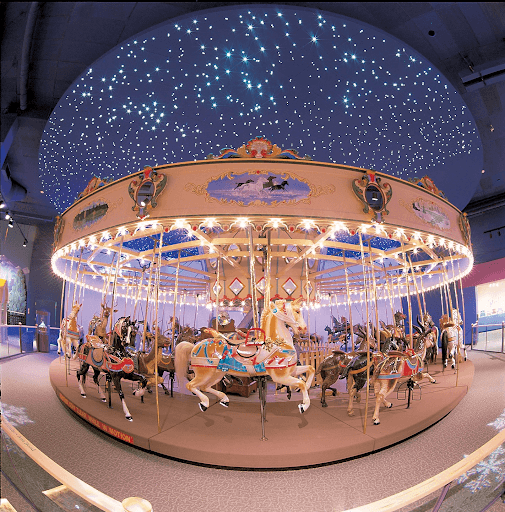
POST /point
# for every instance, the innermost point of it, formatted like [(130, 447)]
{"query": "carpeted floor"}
[(29, 402)]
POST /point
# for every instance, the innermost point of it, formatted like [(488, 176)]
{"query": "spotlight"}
[(11, 224), (25, 242), (2, 204), (7, 215)]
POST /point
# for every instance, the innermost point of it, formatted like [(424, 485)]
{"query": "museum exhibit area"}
[(259, 229)]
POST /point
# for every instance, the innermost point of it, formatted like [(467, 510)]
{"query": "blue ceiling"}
[(336, 89)]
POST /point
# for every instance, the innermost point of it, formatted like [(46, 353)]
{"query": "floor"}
[(29, 402)]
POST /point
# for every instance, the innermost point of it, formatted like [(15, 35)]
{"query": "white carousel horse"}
[(396, 365), (70, 333), (452, 338), (275, 356)]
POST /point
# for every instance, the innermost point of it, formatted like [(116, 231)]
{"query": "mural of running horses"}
[(114, 361), (69, 333), (275, 356)]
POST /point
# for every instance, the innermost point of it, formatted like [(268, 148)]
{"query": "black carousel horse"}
[(112, 360)]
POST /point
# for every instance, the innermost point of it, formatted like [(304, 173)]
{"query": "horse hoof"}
[(129, 418), (83, 395), (334, 392), (104, 400), (434, 381), (302, 410), (350, 413), (390, 406), (376, 422), (149, 390), (202, 407), (452, 366), (225, 404), (325, 404)]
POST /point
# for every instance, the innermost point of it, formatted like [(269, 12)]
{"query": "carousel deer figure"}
[(98, 324), (69, 333), (452, 338), (396, 365)]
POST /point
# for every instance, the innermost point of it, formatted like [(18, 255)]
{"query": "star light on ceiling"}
[(331, 87)]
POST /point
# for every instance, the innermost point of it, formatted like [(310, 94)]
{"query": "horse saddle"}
[(396, 353), (338, 352)]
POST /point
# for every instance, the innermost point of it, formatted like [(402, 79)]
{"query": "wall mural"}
[(16, 284), (259, 188)]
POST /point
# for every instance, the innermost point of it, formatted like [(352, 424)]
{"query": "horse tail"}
[(182, 356)]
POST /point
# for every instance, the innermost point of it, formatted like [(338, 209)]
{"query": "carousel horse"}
[(333, 366), (426, 322), (146, 361), (98, 324), (452, 338), (396, 365), (275, 356), (70, 333), (114, 362)]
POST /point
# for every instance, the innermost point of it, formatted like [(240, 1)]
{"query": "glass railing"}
[(489, 338), (473, 484), (47, 486), (21, 339)]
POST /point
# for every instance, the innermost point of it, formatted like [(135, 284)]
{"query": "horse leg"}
[(201, 379), (351, 391), (143, 386), (223, 397), (96, 373), (426, 375), (82, 372), (288, 380), (382, 390), (116, 379)]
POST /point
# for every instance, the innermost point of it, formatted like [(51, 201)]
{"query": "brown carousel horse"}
[(147, 361), (69, 333), (275, 356), (113, 360), (397, 365), (333, 367)]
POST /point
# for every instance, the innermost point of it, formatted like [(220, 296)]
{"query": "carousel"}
[(215, 277)]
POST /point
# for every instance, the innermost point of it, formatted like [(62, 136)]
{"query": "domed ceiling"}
[(330, 87)]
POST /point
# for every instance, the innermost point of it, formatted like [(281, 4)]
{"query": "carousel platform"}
[(231, 437)]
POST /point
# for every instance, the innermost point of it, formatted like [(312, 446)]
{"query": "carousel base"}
[(231, 437)]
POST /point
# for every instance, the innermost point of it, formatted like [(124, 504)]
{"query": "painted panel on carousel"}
[(90, 214), (373, 194), (259, 188), (428, 212)]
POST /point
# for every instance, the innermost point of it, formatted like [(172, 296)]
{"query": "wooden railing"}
[(310, 352), (435, 483), (82, 489)]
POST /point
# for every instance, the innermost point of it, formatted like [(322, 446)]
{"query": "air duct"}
[(25, 55), (11, 190)]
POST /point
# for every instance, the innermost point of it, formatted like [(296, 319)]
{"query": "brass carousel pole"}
[(462, 304), (252, 272), (268, 268), (218, 291), (409, 305), (139, 289), (422, 292), (156, 329), (307, 291), (176, 291), (455, 319), (115, 281), (348, 300), (367, 332), (148, 296), (417, 289), (374, 286), (389, 291), (67, 366)]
